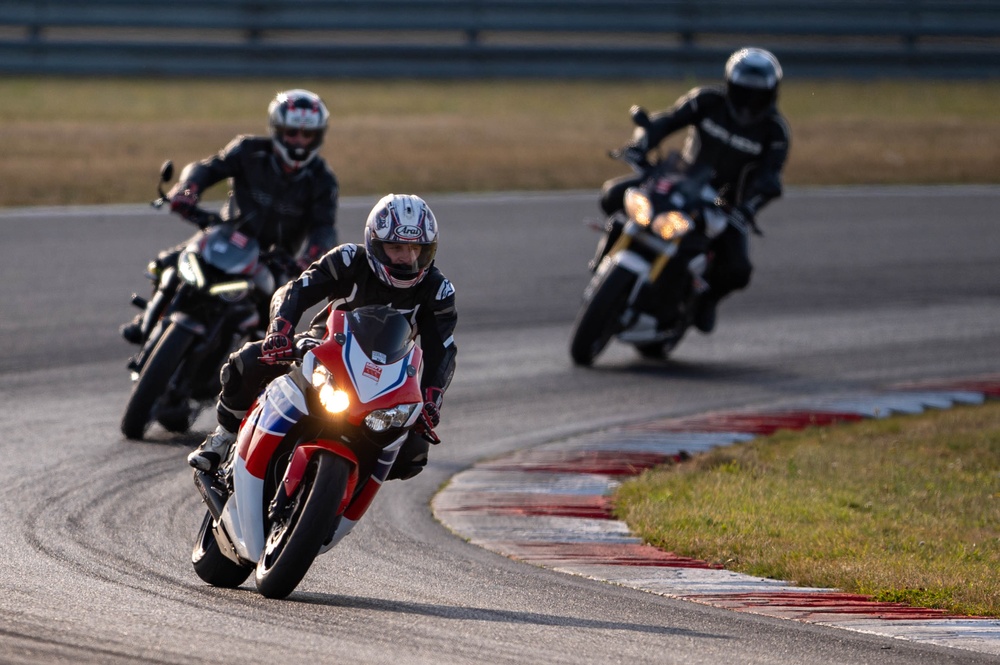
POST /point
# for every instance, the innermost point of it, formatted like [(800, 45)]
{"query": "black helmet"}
[(297, 111), (752, 78)]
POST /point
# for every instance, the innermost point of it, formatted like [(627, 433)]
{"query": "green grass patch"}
[(905, 509)]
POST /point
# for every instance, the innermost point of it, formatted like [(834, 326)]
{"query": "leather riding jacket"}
[(278, 208), (747, 159), (343, 277)]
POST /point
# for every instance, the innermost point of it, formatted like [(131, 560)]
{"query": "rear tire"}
[(599, 319), (211, 564), (294, 541), (154, 379)]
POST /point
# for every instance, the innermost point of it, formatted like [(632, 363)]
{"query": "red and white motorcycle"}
[(311, 453)]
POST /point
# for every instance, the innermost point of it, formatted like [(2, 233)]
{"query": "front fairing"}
[(228, 250), (288, 423), (221, 262)]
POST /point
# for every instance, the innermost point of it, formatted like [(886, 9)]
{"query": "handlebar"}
[(198, 216)]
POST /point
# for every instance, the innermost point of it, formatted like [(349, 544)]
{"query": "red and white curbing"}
[(550, 506)]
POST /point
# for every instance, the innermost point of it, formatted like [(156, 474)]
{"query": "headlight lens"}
[(331, 397), (671, 225), (231, 291), (383, 419), (187, 266), (638, 206)]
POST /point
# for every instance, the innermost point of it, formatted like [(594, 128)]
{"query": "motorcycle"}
[(311, 453), (650, 267), (202, 310)]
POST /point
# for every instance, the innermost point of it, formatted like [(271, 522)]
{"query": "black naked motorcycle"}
[(650, 266), (213, 301)]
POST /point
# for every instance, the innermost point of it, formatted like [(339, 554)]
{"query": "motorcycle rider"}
[(395, 267), (737, 131), (282, 192)]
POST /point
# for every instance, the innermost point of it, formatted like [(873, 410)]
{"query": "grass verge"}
[(94, 140), (904, 509)]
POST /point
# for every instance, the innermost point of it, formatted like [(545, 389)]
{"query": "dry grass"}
[(78, 141), (904, 509)]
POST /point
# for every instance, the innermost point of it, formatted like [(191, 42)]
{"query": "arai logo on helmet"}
[(408, 232)]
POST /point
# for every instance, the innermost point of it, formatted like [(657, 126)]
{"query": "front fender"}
[(189, 323), (626, 260), (300, 461)]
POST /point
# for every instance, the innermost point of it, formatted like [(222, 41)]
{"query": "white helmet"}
[(401, 219), (297, 111)]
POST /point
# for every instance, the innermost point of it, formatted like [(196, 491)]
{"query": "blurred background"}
[(482, 95)]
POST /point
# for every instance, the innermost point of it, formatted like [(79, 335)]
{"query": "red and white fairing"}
[(371, 384)]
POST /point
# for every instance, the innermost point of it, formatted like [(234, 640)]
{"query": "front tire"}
[(211, 564), (295, 539), (154, 379), (661, 350), (600, 318)]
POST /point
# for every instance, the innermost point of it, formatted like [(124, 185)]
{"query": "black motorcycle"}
[(650, 266), (212, 302)]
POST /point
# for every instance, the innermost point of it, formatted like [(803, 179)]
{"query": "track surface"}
[(853, 289)]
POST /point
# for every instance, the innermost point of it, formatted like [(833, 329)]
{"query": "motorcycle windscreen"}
[(229, 250), (383, 333)]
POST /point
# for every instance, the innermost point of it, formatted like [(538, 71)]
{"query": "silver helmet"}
[(401, 219), (292, 112), (752, 78)]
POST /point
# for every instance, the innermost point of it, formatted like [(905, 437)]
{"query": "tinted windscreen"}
[(382, 333)]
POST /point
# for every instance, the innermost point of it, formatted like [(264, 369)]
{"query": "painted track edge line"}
[(548, 505)]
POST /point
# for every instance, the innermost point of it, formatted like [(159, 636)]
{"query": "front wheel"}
[(660, 350), (211, 564), (600, 318), (296, 536), (154, 380)]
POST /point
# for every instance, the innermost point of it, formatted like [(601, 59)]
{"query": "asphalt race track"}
[(854, 289)]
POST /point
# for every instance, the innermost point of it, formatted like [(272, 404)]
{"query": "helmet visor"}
[(749, 104), (404, 260)]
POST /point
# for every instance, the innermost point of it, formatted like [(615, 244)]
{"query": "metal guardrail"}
[(482, 38)]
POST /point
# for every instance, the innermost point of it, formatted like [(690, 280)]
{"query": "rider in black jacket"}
[(738, 131), (395, 267), (282, 191)]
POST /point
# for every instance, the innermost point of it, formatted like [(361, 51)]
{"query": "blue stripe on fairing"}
[(281, 413)]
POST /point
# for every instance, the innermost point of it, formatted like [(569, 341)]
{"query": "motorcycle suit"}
[(343, 277), (747, 160), (292, 211)]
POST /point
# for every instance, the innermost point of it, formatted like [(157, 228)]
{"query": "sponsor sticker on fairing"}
[(372, 371)]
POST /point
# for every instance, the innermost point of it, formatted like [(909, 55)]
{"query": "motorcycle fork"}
[(296, 470), (184, 380), (156, 316), (166, 289)]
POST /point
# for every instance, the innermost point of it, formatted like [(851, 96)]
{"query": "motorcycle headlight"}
[(230, 291), (331, 397), (638, 206), (190, 270), (397, 416), (670, 225)]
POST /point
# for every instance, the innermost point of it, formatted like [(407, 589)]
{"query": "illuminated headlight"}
[(331, 397), (638, 206), (189, 269), (671, 225), (383, 419), (231, 291)]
